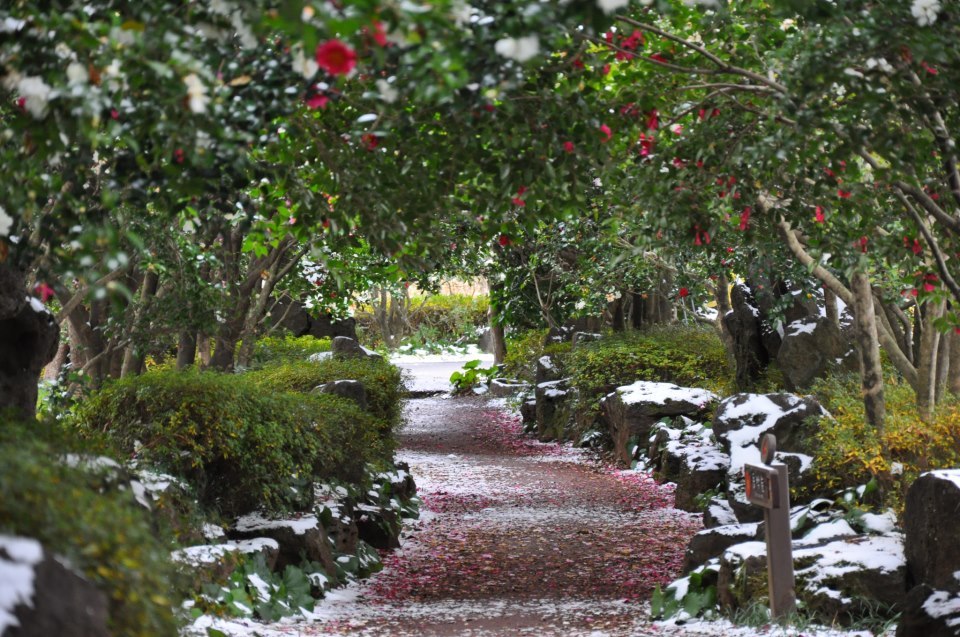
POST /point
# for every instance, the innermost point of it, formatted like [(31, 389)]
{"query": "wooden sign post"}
[(767, 487)]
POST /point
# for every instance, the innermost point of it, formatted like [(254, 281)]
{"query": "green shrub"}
[(851, 453), (240, 446), (523, 350), (97, 528), (275, 349), (382, 381), (687, 356)]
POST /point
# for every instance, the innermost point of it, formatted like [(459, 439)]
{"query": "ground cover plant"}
[(287, 348)]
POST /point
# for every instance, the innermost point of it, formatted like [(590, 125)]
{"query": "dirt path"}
[(516, 537)]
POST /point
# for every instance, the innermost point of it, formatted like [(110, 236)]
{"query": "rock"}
[(585, 337), (931, 523), (690, 458), (553, 410), (632, 410), (298, 538), (718, 513), (291, 315), (344, 533), (40, 596), (840, 578), (740, 421), (745, 327), (810, 347), (711, 543), (352, 389), (528, 411), (507, 388), (929, 613), (324, 326), (401, 480), (345, 347), (485, 341), (215, 562), (547, 370), (378, 527)]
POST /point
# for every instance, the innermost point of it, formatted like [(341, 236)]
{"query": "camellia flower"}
[(684, 292), (745, 218), (607, 133), (335, 57), (818, 215), (6, 222), (517, 201), (197, 98), (519, 49), (317, 100), (843, 194), (568, 147), (34, 95), (43, 291), (504, 240)]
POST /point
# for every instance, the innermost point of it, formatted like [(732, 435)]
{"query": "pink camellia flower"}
[(568, 147), (317, 100), (335, 57), (818, 215), (43, 291), (607, 133)]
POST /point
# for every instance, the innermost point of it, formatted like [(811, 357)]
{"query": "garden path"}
[(516, 537)]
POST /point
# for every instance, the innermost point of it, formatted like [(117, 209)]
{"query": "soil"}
[(515, 537)]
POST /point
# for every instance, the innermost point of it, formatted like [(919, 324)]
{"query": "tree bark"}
[(953, 382), (28, 341), (498, 339), (186, 349), (927, 361), (830, 304), (133, 357), (868, 344)]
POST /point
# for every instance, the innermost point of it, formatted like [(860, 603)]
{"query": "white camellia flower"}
[(925, 11), (196, 93), (304, 65), (6, 222), (35, 93), (609, 6), (519, 49), (77, 74), (387, 92)]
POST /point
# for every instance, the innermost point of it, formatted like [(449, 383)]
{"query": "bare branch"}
[(932, 244), (77, 298), (929, 205)]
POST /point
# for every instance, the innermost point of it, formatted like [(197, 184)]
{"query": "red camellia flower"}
[(317, 101), (335, 57), (607, 133), (178, 155), (684, 292), (653, 120), (114, 113), (929, 69), (606, 69), (843, 194), (517, 201), (646, 144), (658, 58), (504, 240), (862, 243), (568, 147), (379, 35), (43, 291), (818, 215), (745, 218), (370, 140)]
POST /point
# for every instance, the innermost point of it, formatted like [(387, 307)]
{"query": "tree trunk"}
[(498, 339), (943, 366), (186, 349), (28, 341), (953, 382), (868, 344), (830, 305), (133, 357), (927, 361)]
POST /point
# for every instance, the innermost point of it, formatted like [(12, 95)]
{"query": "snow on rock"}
[(258, 522), (645, 392), (829, 531), (802, 326), (212, 553), (18, 557), (881, 523)]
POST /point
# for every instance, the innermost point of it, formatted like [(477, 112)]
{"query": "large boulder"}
[(298, 538), (346, 347), (740, 421), (29, 337), (835, 578), (811, 345), (632, 410), (352, 389), (711, 543), (325, 326), (216, 562), (929, 613), (547, 370), (931, 524), (507, 388), (554, 402), (41, 596), (379, 527), (692, 459), (585, 337)]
